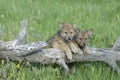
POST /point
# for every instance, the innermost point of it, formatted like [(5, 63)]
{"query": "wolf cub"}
[(81, 38), (62, 38)]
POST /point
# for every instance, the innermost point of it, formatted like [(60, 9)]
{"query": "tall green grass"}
[(102, 16)]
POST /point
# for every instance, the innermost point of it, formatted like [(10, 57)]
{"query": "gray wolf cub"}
[(62, 38), (81, 38)]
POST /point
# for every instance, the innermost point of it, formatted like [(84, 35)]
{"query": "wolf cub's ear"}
[(74, 25), (89, 32), (77, 30), (60, 25)]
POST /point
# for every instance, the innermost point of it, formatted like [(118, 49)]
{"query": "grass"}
[(102, 16)]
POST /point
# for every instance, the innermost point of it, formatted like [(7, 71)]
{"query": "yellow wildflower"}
[(3, 61), (111, 43), (18, 66)]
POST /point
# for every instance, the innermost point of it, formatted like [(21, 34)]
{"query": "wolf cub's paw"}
[(74, 50), (69, 55), (86, 51), (80, 52)]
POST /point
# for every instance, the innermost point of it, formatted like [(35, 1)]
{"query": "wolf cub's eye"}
[(65, 32), (86, 38), (71, 32), (80, 38)]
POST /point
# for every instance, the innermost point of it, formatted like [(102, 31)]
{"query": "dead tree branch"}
[(16, 50)]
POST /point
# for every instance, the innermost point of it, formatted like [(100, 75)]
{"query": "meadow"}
[(100, 16)]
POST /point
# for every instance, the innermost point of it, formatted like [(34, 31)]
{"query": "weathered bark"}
[(16, 50)]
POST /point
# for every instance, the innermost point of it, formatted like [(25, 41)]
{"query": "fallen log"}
[(16, 50)]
